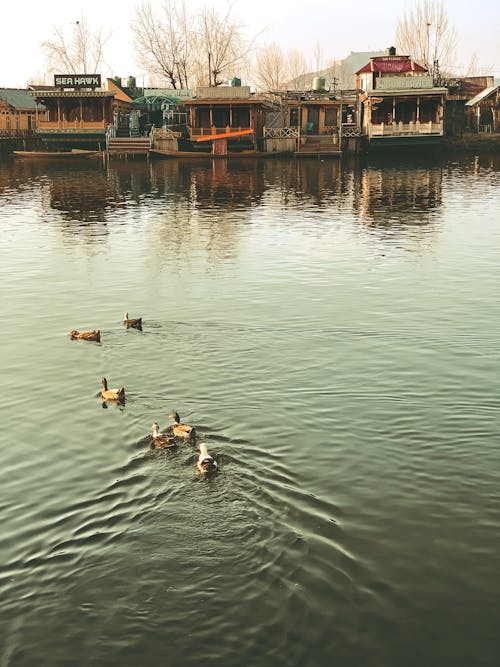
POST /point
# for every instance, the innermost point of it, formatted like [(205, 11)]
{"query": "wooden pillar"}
[(418, 108), (393, 109), (81, 112), (59, 112)]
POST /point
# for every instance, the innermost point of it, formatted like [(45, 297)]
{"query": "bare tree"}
[(297, 67), (271, 68), (318, 57), (425, 33), (162, 41), (221, 45), (78, 51)]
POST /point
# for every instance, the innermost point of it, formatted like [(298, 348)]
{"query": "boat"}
[(206, 155), (74, 153)]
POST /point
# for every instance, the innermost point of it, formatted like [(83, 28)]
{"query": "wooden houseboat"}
[(312, 122), (78, 111), (18, 113), (401, 104), (231, 110), (483, 110)]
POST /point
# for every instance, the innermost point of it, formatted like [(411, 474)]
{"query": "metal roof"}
[(391, 65), (481, 96), (18, 98)]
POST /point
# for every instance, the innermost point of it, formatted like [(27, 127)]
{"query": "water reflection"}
[(391, 194)]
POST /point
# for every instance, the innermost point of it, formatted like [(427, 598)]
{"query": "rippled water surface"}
[(332, 330)]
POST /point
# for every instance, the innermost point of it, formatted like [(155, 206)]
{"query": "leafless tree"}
[(424, 32), (271, 68), (221, 45), (162, 41), (318, 57), (297, 68), (76, 51)]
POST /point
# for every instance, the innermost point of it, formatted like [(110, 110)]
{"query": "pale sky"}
[(338, 27)]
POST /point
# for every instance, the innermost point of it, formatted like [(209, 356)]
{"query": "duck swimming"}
[(112, 394), (181, 430), (162, 440), (134, 322), (86, 335), (205, 462)]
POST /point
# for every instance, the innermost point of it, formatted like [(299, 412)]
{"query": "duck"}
[(112, 394), (134, 322), (181, 430), (162, 440), (205, 462), (86, 335)]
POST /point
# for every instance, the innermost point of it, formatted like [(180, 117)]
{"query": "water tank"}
[(391, 51), (319, 83), (117, 80), (235, 81), (131, 82)]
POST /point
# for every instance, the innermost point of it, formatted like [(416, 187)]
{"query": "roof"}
[(482, 96), (391, 65), (19, 98), (155, 102), (39, 94)]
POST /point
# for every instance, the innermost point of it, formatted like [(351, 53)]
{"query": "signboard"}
[(77, 80), (404, 82)]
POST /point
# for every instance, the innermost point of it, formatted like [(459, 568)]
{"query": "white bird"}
[(205, 463)]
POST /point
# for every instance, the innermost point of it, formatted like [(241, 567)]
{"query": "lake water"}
[(332, 330)]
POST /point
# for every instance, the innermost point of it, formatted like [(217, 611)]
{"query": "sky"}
[(338, 27)]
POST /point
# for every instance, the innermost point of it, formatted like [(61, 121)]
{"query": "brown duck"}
[(134, 322), (112, 394), (86, 335), (162, 440), (181, 430)]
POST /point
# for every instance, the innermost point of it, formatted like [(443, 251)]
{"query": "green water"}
[(332, 331)]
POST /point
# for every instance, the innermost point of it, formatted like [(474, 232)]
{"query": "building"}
[(401, 104), (78, 111), (227, 110), (18, 113), (312, 122), (483, 110)]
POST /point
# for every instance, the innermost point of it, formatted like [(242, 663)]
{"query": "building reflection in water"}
[(202, 207)]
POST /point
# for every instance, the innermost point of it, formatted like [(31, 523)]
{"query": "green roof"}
[(155, 102), (18, 98)]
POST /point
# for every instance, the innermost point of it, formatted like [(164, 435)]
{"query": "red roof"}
[(391, 65)]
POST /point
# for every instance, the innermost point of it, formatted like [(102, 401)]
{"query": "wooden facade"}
[(219, 110), (73, 113), (400, 102), (18, 113), (317, 121), (483, 110)]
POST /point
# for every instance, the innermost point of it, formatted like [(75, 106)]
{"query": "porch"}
[(411, 129)]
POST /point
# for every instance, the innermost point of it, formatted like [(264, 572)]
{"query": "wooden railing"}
[(281, 133), (55, 125), (405, 129)]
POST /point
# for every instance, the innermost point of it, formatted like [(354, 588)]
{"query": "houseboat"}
[(400, 103), (313, 122), (78, 111)]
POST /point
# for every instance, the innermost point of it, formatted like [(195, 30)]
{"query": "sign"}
[(77, 80), (404, 82)]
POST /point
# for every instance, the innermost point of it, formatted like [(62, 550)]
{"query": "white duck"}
[(205, 462)]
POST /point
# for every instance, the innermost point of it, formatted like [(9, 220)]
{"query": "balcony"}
[(416, 129)]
